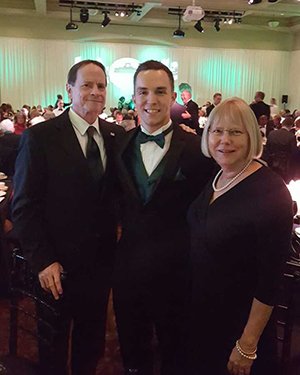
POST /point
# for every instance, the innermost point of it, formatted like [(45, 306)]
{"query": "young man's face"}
[(153, 98)]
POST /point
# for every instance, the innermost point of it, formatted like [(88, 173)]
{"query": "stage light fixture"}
[(217, 24), (71, 26), (272, 1), (199, 27), (251, 2), (178, 33), (106, 20), (84, 15), (117, 13), (122, 13)]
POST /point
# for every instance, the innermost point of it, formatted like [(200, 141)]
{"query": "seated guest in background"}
[(240, 233), (9, 143), (64, 217), (281, 149), (276, 122), (60, 108), (161, 169), (202, 118), (35, 117), (128, 122), (259, 107), (6, 124), (190, 116), (118, 117), (217, 98), (20, 123)]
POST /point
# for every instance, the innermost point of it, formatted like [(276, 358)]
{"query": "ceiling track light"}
[(84, 15), (106, 20), (71, 26), (217, 24), (251, 2), (199, 27), (179, 33)]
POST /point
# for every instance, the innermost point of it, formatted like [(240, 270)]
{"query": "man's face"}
[(185, 96), (60, 104), (89, 92), (153, 98)]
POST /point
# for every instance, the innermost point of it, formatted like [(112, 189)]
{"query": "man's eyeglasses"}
[(219, 132)]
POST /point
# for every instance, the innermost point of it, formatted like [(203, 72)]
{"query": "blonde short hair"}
[(235, 110)]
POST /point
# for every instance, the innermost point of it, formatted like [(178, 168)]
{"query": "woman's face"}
[(20, 119), (228, 144)]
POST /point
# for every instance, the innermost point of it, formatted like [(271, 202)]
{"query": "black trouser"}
[(83, 310), (140, 313)]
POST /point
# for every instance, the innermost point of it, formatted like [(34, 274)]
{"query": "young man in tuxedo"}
[(161, 170), (64, 217)]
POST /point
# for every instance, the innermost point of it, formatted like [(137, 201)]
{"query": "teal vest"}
[(145, 184)]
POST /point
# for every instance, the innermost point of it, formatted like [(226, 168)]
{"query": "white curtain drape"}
[(34, 71)]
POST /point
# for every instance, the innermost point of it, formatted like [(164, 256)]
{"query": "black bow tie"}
[(159, 139)]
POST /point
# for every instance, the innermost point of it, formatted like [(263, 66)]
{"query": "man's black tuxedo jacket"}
[(155, 237), (59, 214), (192, 108), (260, 108)]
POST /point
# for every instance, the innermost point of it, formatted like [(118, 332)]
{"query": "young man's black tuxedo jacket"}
[(155, 236)]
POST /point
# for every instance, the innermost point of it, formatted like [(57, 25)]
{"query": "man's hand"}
[(50, 279), (187, 129), (186, 115)]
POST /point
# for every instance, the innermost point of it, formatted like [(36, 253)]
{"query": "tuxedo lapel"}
[(69, 141), (123, 169)]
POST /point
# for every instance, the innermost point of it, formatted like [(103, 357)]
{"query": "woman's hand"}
[(238, 365)]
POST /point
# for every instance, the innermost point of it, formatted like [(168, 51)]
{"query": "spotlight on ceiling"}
[(250, 2), (199, 27), (84, 15), (71, 25), (106, 20), (117, 13), (217, 24), (178, 33)]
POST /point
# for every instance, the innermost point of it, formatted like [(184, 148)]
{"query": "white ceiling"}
[(154, 15), (155, 12)]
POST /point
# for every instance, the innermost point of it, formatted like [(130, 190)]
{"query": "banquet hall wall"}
[(237, 62)]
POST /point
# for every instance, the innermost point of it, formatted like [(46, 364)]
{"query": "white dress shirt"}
[(152, 154), (58, 111), (80, 127)]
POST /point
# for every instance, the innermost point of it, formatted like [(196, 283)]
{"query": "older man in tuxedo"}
[(64, 217), (161, 171)]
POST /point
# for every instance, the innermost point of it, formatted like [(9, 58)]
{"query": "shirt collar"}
[(80, 124), (158, 131)]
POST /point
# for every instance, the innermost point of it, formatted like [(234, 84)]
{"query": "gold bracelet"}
[(251, 356)]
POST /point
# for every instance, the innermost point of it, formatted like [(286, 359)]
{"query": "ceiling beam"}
[(41, 6), (136, 17)]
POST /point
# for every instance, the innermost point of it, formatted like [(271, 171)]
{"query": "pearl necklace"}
[(231, 181)]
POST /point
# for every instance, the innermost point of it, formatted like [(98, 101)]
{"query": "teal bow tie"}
[(159, 139)]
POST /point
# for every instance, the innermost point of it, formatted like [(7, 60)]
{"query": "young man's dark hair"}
[(153, 65)]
